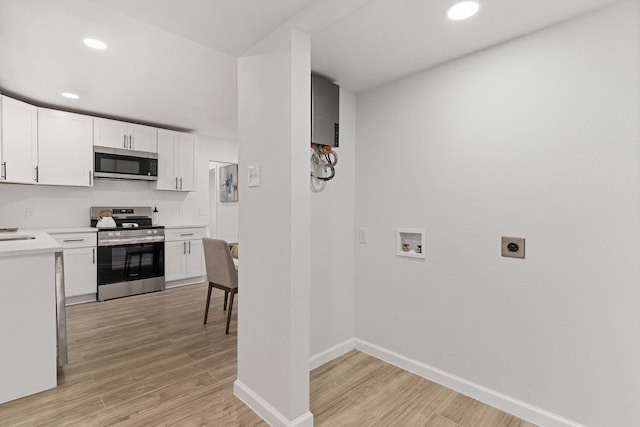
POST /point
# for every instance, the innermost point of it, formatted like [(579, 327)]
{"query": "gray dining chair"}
[(221, 274)]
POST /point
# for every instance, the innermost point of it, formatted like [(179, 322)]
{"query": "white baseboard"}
[(80, 299), (491, 397), (267, 412), (331, 353), (184, 282)]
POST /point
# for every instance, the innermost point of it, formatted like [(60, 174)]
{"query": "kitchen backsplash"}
[(28, 206)]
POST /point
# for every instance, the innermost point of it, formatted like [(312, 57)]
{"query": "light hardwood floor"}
[(149, 360)]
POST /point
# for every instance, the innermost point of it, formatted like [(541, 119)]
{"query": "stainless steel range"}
[(130, 254)]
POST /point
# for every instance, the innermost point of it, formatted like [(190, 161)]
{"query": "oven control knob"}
[(117, 233), (111, 234), (148, 231), (155, 231)]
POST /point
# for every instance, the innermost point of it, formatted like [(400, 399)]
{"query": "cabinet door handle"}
[(4, 169), (184, 247), (181, 183), (124, 137), (130, 142), (36, 173), (176, 183), (189, 247), (94, 254), (73, 240), (90, 179)]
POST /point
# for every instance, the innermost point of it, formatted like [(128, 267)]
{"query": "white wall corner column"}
[(273, 317)]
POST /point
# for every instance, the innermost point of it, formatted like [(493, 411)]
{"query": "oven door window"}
[(125, 263)]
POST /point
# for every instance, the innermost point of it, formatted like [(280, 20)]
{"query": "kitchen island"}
[(28, 329)]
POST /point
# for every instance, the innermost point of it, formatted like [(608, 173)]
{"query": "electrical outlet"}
[(364, 235), (203, 212), (513, 247)]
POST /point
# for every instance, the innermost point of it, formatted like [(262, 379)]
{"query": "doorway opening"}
[(223, 206)]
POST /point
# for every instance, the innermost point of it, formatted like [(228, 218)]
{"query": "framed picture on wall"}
[(229, 183)]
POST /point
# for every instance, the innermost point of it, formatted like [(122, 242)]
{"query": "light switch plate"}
[(253, 176), (513, 247), (364, 235)]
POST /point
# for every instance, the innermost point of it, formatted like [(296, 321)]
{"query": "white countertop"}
[(185, 226), (42, 243), (94, 229), (72, 230)]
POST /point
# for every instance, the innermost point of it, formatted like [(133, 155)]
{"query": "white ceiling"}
[(173, 62), (389, 39)]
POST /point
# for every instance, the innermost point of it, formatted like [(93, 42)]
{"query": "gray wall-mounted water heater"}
[(325, 111)]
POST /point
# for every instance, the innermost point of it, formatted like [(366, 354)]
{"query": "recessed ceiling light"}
[(70, 95), (96, 44), (463, 10)]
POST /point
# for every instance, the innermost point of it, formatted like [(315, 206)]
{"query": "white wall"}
[(69, 206), (332, 243), (536, 138)]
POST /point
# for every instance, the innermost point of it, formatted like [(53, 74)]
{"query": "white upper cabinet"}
[(143, 138), (19, 142), (167, 178), (65, 148), (110, 133), (187, 146), (176, 161), (123, 135)]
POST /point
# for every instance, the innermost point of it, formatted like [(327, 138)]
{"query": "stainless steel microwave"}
[(114, 163)]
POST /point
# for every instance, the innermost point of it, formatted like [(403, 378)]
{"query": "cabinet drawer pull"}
[(186, 234), (73, 240)]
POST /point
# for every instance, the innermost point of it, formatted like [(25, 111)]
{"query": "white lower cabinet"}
[(184, 257), (195, 258), (80, 266)]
